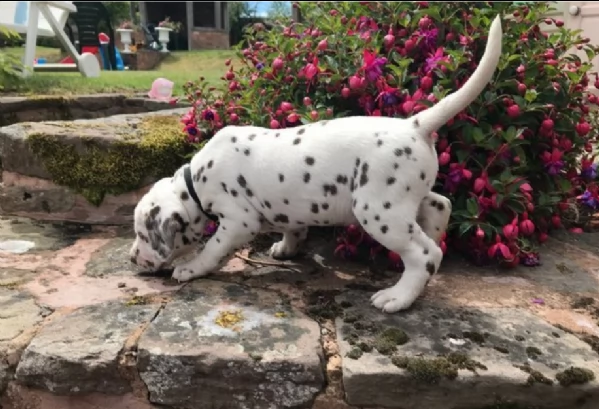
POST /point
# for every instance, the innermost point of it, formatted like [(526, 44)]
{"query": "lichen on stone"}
[(533, 352), (432, 370), (575, 376), (156, 148), (475, 337), (354, 353)]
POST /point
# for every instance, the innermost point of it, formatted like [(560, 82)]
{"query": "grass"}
[(179, 67)]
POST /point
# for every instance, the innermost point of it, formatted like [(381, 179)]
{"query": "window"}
[(203, 14), (224, 14)]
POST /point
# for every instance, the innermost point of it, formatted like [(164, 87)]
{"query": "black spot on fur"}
[(408, 150), (281, 218), (425, 252), (233, 139), (332, 189), (246, 152), (286, 201), (433, 203), (223, 184), (267, 204), (245, 224), (314, 208), (325, 206), (391, 180), (379, 143), (430, 267), (366, 206), (281, 177), (204, 179), (249, 193), (422, 175), (377, 217), (185, 240), (217, 240), (241, 180), (184, 196), (416, 123), (210, 164), (384, 228), (233, 192), (277, 134), (357, 162), (396, 166), (364, 221), (398, 152), (296, 141), (306, 177), (342, 179), (154, 212), (197, 220), (440, 206), (410, 228), (364, 175), (301, 131), (309, 160), (408, 188), (387, 205), (251, 136)]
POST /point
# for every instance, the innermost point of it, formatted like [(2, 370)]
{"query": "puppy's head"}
[(161, 226)]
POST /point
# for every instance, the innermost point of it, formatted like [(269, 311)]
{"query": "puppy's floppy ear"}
[(170, 227)]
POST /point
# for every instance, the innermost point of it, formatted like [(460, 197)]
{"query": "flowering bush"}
[(175, 26), (513, 163)]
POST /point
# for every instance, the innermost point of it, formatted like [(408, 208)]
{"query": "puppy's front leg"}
[(230, 235)]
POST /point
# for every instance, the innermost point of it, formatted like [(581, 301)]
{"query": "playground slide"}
[(120, 66)]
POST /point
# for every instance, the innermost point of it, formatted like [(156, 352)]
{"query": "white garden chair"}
[(46, 19)]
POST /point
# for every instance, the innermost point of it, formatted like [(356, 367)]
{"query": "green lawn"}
[(179, 67)]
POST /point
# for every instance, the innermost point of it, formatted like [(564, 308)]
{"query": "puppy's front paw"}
[(279, 251), (183, 273), (392, 299)]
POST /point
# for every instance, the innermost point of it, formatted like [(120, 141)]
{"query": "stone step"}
[(80, 328)]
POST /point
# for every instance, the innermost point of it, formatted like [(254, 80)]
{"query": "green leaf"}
[(478, 135), (472, 206), (531, 95), (465, 227)]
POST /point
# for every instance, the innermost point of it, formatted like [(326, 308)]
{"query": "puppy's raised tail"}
[(428, 121)]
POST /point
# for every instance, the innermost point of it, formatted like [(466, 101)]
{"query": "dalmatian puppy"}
[(373, 171)]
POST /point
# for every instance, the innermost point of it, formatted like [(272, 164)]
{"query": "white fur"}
[(392, 162)]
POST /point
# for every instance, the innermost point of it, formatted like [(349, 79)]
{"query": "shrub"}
[(510, 162), (10, 65)]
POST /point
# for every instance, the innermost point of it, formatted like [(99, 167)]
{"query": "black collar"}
[(193, 194)]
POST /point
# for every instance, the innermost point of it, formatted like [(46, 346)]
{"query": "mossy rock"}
[(96, 157)]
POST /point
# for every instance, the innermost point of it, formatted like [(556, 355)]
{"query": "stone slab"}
[(495, 355), (269, 357), (17, 156), (19, 314), (79, 353)]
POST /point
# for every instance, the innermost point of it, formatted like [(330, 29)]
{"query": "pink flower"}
[(429, 39), (553, 162)]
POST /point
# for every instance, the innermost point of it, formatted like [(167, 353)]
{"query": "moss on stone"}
[(501, 349), (355, 353), (156, 150), (432, 370), (582, 302), (475, 337), (387, 340), (534, 376), (533, 352), (575, 376)]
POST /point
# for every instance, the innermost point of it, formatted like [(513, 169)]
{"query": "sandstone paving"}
[(225, 345), (78, 305), (79, 353)]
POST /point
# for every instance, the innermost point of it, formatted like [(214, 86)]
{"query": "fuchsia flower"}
[(373, 66), (434, 59), (499, 250), (388, 96), (211, 228), (457, 173), (553, 161), (588, 168), (429, 39)]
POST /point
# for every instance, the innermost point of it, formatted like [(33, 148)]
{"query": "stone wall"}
[(209, 39), (143, 60)]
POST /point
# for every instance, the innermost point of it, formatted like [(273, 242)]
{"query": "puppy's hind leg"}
[(433, 215), (397, 230), (230, 235)]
